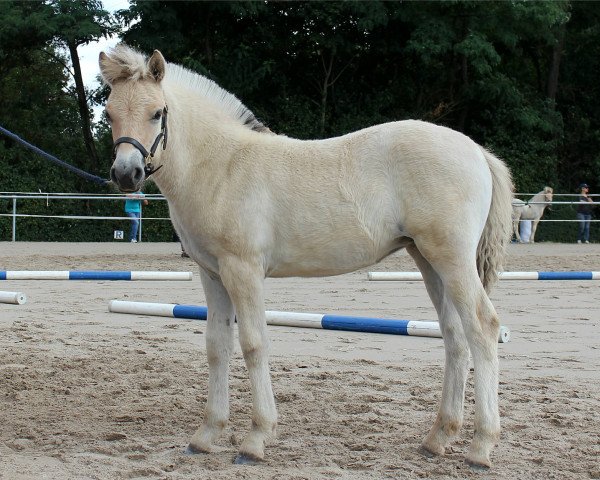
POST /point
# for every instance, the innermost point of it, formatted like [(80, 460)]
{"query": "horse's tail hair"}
[(497, 232)]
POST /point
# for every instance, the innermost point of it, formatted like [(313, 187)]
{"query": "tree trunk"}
[(84, 112), (327, 69), (464, 111), (557, 53)]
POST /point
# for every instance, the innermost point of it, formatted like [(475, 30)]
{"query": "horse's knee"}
[(254, 347), (455, 343), (218, 350), (458, 355)]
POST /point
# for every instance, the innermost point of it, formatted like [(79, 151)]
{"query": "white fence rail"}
[(14, 197)]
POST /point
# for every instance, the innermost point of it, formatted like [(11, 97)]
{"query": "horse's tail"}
[(497, 232)]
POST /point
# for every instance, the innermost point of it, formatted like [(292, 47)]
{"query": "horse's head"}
[(137, 113), (548, 192)]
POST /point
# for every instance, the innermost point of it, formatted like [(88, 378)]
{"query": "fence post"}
[(14, 220), (140, 229)]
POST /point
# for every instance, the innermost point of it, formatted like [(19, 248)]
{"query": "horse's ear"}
[(104, 61), (157, 66)]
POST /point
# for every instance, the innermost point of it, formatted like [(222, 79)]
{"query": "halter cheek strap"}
[(148, 155)]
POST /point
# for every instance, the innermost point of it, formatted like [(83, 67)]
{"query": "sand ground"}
[(88, 394)]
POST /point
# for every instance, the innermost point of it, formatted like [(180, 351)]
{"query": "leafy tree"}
[(49, 26), (518, 77), (577, 98), (32, 93), (75, 23)]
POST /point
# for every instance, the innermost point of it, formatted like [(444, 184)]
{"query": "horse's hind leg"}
[(481, 326), (219, 347), (244, 282), (450, 414), (456, 266)]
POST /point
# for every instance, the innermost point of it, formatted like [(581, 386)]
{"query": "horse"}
[(533, 210), (249, 204)]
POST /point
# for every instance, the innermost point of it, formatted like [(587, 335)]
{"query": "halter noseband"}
[(148, 155)]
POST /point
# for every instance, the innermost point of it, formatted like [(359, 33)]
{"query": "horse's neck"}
[(194, 140), (538, 202), (175, 168)]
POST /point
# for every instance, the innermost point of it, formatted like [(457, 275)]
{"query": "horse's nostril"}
[(138, 175)]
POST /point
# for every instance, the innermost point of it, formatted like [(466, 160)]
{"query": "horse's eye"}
[(157, 115), (107, 116)]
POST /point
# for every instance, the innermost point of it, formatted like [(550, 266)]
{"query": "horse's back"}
[(518, 206), (412, 154)]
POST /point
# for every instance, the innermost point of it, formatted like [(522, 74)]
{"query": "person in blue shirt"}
[(133, 209)]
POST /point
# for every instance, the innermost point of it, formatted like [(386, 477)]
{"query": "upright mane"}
[(129, 64), (221, 98)]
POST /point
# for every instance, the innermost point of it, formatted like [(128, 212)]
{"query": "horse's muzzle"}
[(129, 178)]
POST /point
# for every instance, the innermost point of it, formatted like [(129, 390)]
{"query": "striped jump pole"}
[(416, 276), (16, 298), (296, 319), (91, 275)]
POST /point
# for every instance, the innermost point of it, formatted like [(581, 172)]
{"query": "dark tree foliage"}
[(316, 69), (518, 77), (44, 36)]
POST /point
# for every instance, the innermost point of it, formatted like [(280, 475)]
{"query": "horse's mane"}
[(211, 91), (130, 64)]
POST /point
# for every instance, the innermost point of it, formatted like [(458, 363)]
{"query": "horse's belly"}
[(326, 262), (307, 269)]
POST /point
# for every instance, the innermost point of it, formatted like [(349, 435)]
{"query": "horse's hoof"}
[(190, 450), (478, 466), (428, 453), (242, 459)]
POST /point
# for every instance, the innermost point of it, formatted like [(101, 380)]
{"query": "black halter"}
[(148, 155)]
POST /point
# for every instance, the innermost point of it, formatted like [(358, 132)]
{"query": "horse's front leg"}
[(534, 225), (244, 281), (219, 347)]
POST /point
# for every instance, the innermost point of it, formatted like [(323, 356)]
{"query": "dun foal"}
[(248, 204), (532, 210)]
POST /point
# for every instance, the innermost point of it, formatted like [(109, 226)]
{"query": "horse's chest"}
[(205, 260), (196, 247), (201, 255)]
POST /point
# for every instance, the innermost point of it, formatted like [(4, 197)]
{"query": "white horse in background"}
[(248, 205), (532, 210)]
